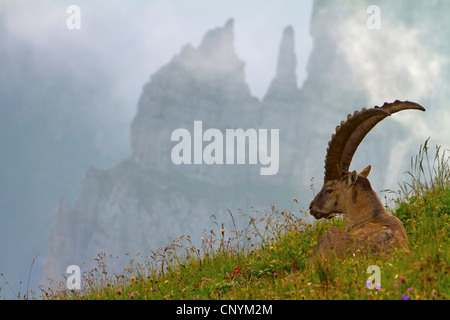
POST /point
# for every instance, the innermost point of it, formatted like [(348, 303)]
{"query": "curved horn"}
[(358, 135), (354, 123), (397, 106)]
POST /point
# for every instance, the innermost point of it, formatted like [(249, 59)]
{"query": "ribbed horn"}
[(354, 123), (358, 134), (397, 106)]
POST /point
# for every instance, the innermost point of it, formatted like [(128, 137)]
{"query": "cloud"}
[(390, 63), (398, 61), (395, 63), (141, 36)]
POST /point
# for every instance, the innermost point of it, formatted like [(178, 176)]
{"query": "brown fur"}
[(369, 227)]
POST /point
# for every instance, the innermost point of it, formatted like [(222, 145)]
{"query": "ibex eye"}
[(329, 191)]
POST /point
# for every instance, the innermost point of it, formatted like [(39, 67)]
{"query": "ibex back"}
[(369, 227)]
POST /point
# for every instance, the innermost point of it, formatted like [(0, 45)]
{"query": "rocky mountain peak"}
[(200, 83), (285, 82), (219, 40), (214, 59), (287, 62)]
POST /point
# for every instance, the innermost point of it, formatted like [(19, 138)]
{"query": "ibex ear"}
[(365, 172), (352, 178)]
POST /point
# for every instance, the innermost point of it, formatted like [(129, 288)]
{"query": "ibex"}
[(369, 227)]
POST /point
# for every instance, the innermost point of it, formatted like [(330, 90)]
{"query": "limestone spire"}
[(287, 62), (285, 81)]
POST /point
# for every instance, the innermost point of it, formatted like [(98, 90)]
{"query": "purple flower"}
[(376, 285), (405, 297), (409, 289)]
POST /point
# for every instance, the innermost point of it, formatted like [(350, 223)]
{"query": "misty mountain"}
[(147, 193), (53, 126), (145, 200)]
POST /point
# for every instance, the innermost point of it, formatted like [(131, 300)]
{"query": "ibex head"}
[(338, 181)]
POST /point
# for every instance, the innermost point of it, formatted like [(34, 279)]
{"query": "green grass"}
[(270, 258)]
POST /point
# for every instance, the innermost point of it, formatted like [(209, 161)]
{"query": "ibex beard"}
[(370, 229)]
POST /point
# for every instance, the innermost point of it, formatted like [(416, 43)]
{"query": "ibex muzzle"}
[(350, 193), (329, 202)]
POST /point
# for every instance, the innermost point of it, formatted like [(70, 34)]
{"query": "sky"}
[(153, 31)]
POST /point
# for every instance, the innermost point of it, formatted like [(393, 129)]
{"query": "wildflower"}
[(402, 279), (223, 231), (376, 285), (119, 292), (409, 289), (258, 256), (133, 279), (132, 295), (405, 297), (417, 297), (167, 281), (207, 279), (236, 270)]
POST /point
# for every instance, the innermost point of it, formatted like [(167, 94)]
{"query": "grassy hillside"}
[(270, 258)]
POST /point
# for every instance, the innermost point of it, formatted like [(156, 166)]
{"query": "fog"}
[(399, 61), (67, 97)]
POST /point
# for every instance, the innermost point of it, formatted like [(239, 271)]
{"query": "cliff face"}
[(206, 84), (147, 199)]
